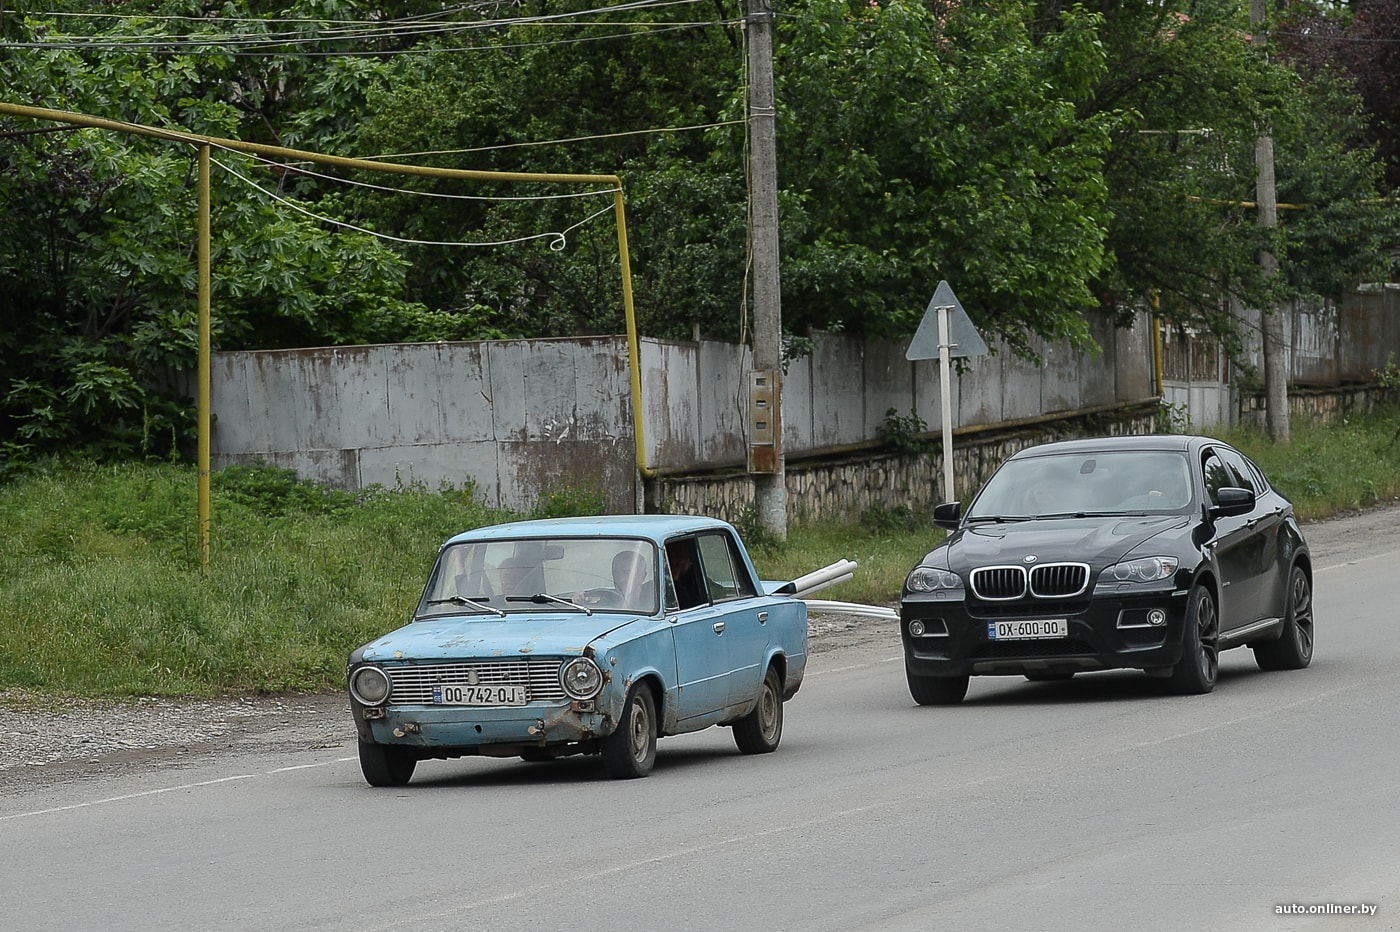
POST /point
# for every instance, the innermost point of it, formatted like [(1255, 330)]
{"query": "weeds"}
[(102, 591)]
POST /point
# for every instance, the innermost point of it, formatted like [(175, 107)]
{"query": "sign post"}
[(946, 328)]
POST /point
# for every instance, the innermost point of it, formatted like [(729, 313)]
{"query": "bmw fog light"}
[(916, 629), (370, 685), (581, 678), (1156, 618)]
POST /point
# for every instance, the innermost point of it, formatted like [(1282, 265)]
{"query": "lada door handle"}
[(762, 617), (719, 627)]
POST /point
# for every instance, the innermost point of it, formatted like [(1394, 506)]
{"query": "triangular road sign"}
[(962, 335)]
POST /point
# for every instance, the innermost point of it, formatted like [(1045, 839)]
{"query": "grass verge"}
[(102, 592)]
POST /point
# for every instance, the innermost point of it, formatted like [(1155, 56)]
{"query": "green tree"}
[(97, 248), (1181, 172)]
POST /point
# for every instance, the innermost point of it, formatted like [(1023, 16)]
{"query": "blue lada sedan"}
[(1151, 553), (538, 639)]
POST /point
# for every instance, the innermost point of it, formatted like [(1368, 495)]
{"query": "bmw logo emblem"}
[(1030, 558)]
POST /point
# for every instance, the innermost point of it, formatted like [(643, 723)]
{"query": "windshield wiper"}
[(997, 519), (544, 598), (463, 600)]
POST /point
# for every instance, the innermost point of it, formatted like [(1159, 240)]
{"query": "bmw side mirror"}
[(947, 515), (1230, 501)]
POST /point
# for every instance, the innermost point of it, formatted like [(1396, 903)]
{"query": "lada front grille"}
[(413, 683), (1048, 581)]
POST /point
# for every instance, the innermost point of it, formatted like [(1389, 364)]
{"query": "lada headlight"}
[(931, 579), (581, 678), (370, 685), (1141, 570)]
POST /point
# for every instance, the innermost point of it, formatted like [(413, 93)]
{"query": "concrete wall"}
[(520, 419), (513, 418), (517, 419), (1330, 346)]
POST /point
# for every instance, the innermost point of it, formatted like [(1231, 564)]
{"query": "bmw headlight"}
[(1141, 570), (370, 685), (581, 678), (931, 579)]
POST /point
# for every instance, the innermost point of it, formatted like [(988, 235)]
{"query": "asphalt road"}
[(1101, 803)]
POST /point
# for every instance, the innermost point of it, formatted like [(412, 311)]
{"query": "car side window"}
[(1244, 478), (685, 584), (725, 574), (1217, 476)]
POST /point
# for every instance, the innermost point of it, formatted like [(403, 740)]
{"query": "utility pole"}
[(770, 490), (1276, 362)]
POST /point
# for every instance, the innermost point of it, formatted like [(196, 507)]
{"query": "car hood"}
[(1096, 541), (467, 636)]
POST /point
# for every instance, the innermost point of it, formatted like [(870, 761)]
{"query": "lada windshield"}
[(543, 575), (1109, 484)]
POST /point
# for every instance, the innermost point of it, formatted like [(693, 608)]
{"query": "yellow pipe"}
[(205, 143), (254, 148), (1156, 342), (634, 358), (205, 381)]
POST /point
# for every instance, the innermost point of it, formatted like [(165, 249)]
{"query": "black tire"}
[(936, 690), (386, 765), (1195, 674), (760, 731), (1294, 648), (1049, 677), (630, 751)]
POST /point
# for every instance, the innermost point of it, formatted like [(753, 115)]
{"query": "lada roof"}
[(653, 527)]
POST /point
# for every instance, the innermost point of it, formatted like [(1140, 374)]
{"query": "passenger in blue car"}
[(520, 577), (689, 584), (629, 572)]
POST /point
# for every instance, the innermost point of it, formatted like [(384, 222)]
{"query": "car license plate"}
[(478, 695), (1028, 630)]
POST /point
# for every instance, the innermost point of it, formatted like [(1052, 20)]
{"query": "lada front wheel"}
[(630, 751), (386, 765)]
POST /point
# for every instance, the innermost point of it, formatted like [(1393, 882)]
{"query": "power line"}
[(361, 32), (558, 240), (298, 169), (557, 142), (262, 49)]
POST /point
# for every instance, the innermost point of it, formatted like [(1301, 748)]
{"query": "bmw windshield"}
[(1084, 485)]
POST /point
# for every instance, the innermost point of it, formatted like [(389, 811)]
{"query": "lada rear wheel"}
[(386, 765), (936, 690), (630, 751), (760, 731), (1200, 662), (1294, 647)]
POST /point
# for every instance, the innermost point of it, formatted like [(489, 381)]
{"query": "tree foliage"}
[(1050, 159), (1358, 42)]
